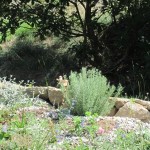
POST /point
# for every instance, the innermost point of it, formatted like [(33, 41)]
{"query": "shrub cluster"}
[(90, 91)]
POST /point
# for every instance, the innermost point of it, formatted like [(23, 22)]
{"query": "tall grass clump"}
[(90, 91)]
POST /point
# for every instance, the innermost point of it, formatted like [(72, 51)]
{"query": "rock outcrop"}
[(55, 96), (123, 107), (132, 108), (51, 94), (35, 91)]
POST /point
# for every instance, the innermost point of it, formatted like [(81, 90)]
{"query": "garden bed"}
[(32, 128)]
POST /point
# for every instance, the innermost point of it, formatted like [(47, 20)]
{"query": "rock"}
[(54, 114), (55, 96), (113, 111), (119, 102), (134, 110), (39, 111), (146, 104), (35, 91)]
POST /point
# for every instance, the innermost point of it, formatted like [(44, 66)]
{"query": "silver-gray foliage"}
[(90, 91), (12, 93)]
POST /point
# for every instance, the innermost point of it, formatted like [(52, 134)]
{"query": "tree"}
[(115, 33)]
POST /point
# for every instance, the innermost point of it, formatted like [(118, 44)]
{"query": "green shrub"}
[(29, 58), (89, 91), (29, 54)]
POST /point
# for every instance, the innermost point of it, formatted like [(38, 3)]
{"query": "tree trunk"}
[(91, 34)]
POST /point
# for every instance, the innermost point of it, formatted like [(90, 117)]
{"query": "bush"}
[(29, 58), (12, 94), (89, 91)]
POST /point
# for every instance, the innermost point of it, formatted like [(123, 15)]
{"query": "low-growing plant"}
[(77, 123), (4, 135), (91, 91), (86, 125), (11, 93), (132, 100), (20, 124), (82, 147), (14, 95), (92, 127), (141, 140), (135, 140)]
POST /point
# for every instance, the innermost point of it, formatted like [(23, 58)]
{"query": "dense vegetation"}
[(111, 35), (103, 48), (25, 122)]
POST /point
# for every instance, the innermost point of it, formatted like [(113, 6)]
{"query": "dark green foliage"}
[(47, 17), (120, 48), (115, 36), (127, 46), (30, 59)]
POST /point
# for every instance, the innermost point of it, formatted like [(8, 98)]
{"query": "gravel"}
[(121, 123)]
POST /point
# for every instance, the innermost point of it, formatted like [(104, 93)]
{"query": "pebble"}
[(124, 123)]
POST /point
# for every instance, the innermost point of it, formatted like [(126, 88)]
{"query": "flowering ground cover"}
[(32, 128), (31, 124)]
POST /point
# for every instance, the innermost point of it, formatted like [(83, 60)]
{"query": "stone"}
[(113, 111), (35, 91), (146, 104), (119, 102), (55, 96), (134, 110), (39, 111), (54, 114)]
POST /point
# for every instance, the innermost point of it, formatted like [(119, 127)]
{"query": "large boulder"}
[(51, 94), (134, 110), (119, 102), (35, 91), (113, 111), (146, 104), (55, 96)]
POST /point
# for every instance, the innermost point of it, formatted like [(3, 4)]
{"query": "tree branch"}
[(72, 33), (82, 4), (78, 12)]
